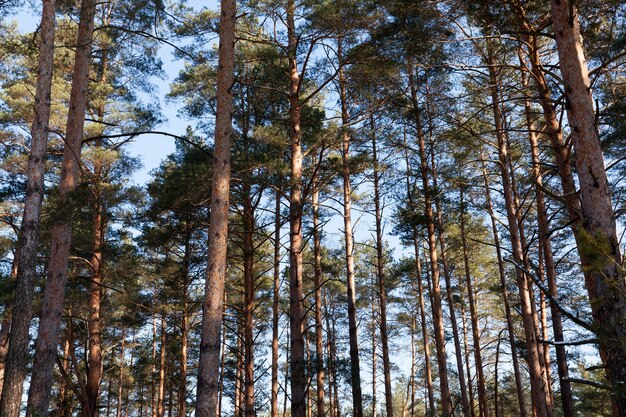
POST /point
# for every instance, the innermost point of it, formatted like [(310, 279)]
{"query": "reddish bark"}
[(54, 293), (26, 254), (207, 397)]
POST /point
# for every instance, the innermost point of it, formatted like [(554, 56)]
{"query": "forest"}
[(370, 208)]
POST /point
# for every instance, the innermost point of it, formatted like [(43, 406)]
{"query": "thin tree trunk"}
[(184, 323), (380, 272), (130, 366), (412, 375), (275, 303), (374, 357), (26, 254), (482, 391), (238, 403), (550, 268), (331, 355), (355, 371), (154, 375), (495, 376), (286, 378), (120, 381), (319, 336), (458, 353), (538, 389), (446, 399), (605, 281), (162, 352), (420, 292), (54, 293), (467, 361), (248, 271), (207, 396), (505, 298)]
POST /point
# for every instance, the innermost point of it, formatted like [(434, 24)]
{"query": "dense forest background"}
[(374, 208)]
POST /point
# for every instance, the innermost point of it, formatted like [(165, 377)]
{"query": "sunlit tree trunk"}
[(61, 240), (550, 267), (605, 280), (26, 254), (296, 205), (213, 306), (538, 389)]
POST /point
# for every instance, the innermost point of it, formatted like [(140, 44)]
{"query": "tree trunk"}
[(470, 389), (505, 298), (538, 389), (184, 322), (458, 353), (161, 390), (380, 272), (420, 293), (319, 336), (213, 306), (54, 293), (154, 374), (94, 365), (446, 399), (63, 389), (120, 381), (248, 272), (296, 204), (412, 374), (332, 355), (605, 280), (275, 303), (550, 268), (482, 391), (239, 374), (26, 254), (355, 371), (374, 356)]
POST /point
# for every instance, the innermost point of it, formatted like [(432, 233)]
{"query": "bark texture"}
[(296, 204), (602, 260), (26, 254), (213, 306), (61, 241)]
